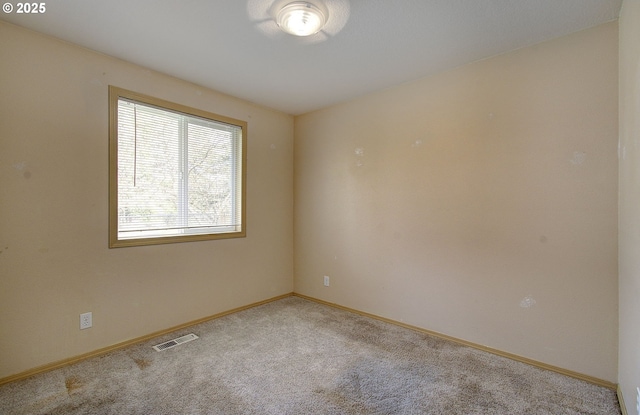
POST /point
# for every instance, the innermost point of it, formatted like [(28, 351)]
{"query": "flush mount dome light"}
[(301, 18)]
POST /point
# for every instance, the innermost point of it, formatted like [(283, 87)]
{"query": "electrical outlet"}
[(326, 281), (86, 320)]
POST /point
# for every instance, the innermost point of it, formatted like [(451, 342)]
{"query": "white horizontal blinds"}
[(238, 169), (212, 177), (148, 168), (176, 173)]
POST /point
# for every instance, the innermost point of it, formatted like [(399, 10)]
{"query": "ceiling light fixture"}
[(301, 18)]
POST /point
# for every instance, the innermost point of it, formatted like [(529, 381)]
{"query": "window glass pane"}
[(210, 176)]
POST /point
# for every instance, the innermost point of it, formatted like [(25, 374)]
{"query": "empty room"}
[(320, 207)]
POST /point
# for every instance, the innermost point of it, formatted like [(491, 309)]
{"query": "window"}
[(177, 174)]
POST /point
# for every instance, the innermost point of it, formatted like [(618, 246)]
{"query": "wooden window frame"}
[(115, 95)]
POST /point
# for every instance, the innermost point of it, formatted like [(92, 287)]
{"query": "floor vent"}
[(175, 342)]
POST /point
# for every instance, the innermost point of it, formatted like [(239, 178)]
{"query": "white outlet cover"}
[(86, 320), (326, 281)]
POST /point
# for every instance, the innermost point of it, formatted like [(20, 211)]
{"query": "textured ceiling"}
[(235, 47)]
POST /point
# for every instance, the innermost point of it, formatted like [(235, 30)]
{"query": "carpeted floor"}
[(294, 356)]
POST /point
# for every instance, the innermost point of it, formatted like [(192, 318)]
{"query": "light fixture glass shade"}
[(301, 18)]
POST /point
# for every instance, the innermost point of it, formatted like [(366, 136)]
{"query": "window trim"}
[(115, 93)]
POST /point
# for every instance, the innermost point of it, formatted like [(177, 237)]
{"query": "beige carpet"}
[(294, 356)]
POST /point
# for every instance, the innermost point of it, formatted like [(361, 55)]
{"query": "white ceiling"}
[(235, 47)]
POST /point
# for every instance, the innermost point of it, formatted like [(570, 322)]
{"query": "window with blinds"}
[(177, 173)]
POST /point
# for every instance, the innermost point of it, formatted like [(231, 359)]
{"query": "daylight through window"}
[(177, 174)]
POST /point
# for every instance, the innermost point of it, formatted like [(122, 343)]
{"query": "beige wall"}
[(54, 260), (629, 204), (480, 203)]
